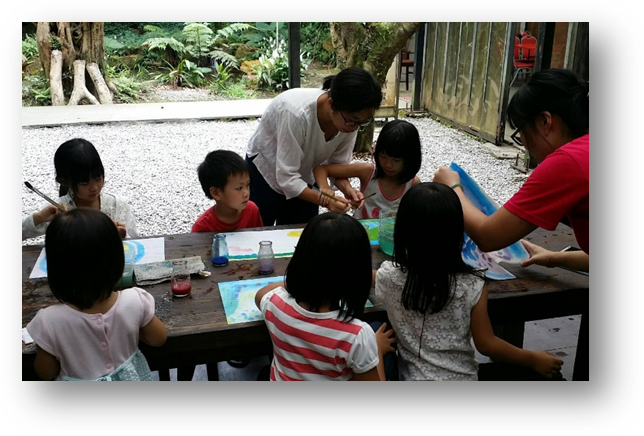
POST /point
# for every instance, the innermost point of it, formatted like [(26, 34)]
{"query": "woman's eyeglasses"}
[(352, 123), (515, 137)]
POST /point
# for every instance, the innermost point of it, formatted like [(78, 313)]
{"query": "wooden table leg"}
[(581, 370), (213, 371), (185, 373), (164, 374)]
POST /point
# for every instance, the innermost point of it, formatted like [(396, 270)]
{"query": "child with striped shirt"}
[(311, 317)]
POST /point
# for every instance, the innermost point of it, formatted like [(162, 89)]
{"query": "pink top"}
[(89, 346), (373, 205)]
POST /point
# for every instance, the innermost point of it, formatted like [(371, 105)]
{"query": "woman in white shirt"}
[(300, 129)]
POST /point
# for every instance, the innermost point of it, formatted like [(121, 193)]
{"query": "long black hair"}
[(399, 139), (431, 257), (76, 161), (317, 272)]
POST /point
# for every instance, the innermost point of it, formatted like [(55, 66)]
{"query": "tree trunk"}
[(104, 95), (372, 46), (44, 46), (56, 79), (80, 91)]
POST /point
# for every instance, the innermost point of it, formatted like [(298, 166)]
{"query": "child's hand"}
[(121, 228), (385, 339), (45, 215), (538, 255), (446, 176), (356, 198), (546, 364)]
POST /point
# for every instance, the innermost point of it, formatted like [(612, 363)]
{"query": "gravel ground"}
[(154, 165)]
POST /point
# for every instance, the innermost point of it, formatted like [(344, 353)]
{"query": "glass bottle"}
[(181, 284), (219, 250), (266, 258)]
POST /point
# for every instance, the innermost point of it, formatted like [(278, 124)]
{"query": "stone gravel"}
[(154, 165)]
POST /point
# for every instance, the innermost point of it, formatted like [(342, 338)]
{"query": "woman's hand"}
[(355, 197), (341, 205), (446, 176)]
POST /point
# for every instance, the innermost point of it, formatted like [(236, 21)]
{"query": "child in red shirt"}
[(224, 178)]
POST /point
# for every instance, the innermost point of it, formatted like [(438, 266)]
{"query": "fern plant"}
[(187, 73), (199, 38)]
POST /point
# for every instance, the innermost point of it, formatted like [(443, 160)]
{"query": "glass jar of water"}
[(386, 223), (219, 250)]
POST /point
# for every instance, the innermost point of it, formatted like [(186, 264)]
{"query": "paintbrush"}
[(364, 198), (331, 196), (28, 185)]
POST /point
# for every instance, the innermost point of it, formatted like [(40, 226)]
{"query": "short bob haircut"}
[(331, 265), (558, 91), (399, 139), (84, 257), (217, 167), (353, 89), (76, 161), (428, 238)]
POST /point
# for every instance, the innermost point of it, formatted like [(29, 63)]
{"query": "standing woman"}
[(300, 129), (550, 112)]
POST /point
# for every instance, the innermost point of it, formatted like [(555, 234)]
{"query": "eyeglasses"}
[(352, 123), (515, 137)]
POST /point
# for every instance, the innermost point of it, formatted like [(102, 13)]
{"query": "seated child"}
[(80, 173), (224, 178), (94, 334), (397, 160), (435, 302), (312, 315)]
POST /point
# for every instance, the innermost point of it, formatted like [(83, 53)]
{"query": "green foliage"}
[(55, 43), (199, 38), (221, 57), (161, 44), (272, 70), (36, 91), (187, 73), (30, 47), (312, 36), (221, 79)]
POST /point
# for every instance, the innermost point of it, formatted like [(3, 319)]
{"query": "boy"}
[(224, 178)]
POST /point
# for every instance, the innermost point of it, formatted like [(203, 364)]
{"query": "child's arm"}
[(384, 341), (154, 333), (323, 172), (416, 181), (46, 365), (45, 215), (265, 290), (498, 349)]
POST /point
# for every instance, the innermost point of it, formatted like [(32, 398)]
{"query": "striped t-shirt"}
[(315, 346)]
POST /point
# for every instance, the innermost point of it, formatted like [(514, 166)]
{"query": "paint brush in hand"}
[(59, 206), (331, 196), (364, 198)]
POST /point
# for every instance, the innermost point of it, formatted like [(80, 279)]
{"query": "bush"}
[(272, 70), (30, 47)]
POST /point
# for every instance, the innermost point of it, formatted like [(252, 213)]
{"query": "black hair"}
[(85, 257), (400, 139), (76, 161), (316, 273), (558, 91), (217, 167), (432, 257), (353, 89)]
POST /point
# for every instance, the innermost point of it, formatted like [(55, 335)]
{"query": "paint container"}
[(265, 258), (219, 250), (129, 253), (386, 223), (181, 283)]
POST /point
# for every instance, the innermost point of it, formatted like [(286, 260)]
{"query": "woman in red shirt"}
[(550, 113)]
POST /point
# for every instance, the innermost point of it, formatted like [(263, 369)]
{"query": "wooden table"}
[(198, 332)]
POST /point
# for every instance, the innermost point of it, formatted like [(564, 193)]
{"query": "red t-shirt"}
[(210, 222), (558, 187)]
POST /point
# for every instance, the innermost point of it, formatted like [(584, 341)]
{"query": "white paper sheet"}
[(147, 251)]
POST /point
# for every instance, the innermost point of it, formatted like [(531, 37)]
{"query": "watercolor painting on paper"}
[(147, 251), (245, 245), (238, 298)]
